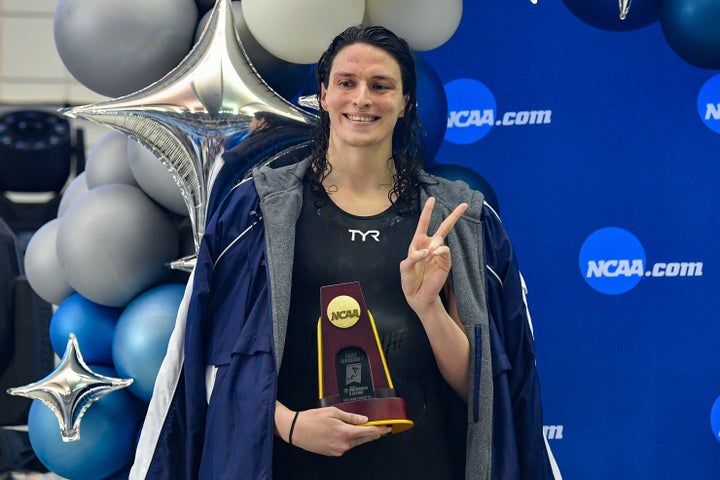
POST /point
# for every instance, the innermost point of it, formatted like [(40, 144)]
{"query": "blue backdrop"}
[(605, 166)]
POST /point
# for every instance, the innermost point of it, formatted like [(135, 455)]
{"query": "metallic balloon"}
[(286, 78), (188, 117), (620, 16), (70, 390)]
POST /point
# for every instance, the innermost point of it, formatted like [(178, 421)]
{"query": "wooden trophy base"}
[(380, 411)]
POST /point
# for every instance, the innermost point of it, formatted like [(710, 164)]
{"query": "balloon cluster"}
[(136, 43), (102, 261), (690, 27), (187, 76)]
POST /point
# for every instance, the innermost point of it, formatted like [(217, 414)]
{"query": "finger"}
[(351, 418), (447, 225), (368, 434), (440, 250), (413, 258), (424, 221)]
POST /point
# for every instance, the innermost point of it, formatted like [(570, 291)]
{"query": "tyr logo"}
[(374, 234)]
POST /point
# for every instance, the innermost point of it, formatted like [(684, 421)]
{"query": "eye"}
[(382, 86), (345, 84)]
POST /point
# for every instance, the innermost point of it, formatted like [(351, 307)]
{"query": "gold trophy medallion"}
[(343, 311)]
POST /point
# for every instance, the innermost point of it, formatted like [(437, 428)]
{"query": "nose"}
[(362, 98)]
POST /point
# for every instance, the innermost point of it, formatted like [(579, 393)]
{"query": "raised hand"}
[(425, 270)]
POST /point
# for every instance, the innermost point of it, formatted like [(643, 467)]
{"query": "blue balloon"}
[(692, 29), (469, 176), (142, 335), (123, 474), (93, 325), (715, 419), (605, 15), (107, 436), (432, 106)]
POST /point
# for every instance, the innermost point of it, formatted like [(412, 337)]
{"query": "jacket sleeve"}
[(173, 435), (171, 417), (519, 447)]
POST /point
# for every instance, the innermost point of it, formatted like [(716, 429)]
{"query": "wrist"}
[(292, 427), (283, 421), (428, 309)]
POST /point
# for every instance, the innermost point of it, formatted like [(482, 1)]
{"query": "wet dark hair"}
[(408, 151)]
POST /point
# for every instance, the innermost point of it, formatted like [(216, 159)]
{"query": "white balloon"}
[(113, 243), (300, 32), (425, 24), (154, 177), (107, 162), (42, 267), (77, 187)]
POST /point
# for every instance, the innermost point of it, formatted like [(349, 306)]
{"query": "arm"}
[(424, 274)]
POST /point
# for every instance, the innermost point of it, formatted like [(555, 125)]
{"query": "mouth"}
[(361, 118)]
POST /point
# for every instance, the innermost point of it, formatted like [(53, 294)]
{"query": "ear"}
[(323, 94)]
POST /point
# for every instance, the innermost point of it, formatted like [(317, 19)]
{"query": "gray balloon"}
[(42, 267), (74, 190), (113, 243), (154, 177), (117, 47), (107, 162)]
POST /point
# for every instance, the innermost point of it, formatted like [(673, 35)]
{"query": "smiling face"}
[(363, 98)]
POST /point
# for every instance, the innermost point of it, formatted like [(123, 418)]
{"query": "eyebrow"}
[(374, 77)]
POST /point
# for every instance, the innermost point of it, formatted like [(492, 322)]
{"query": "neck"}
[(361, 170), (360, 184)]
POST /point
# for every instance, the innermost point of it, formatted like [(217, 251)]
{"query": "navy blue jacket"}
[(230, 320)]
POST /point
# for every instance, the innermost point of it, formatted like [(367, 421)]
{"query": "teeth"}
[(358, 118)]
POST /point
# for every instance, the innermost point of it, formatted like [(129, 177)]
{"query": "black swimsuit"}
[(333, 247)]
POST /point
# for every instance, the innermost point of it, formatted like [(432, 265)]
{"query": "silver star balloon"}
[(70, 390), (198, 110)]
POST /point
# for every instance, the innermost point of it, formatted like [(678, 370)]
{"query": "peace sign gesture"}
[(424, 272)]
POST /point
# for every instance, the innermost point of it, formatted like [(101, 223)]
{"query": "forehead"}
[(362, 57)]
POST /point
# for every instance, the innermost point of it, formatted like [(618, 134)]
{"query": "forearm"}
[(450, 346)]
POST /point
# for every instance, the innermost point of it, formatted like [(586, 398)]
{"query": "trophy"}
[(353, 374)]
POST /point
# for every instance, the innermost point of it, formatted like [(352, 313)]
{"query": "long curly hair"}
[(408, 153)]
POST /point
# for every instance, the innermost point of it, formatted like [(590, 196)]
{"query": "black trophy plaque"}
[(353, 373)]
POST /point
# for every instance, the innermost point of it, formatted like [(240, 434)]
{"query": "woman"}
[(451, 317)]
